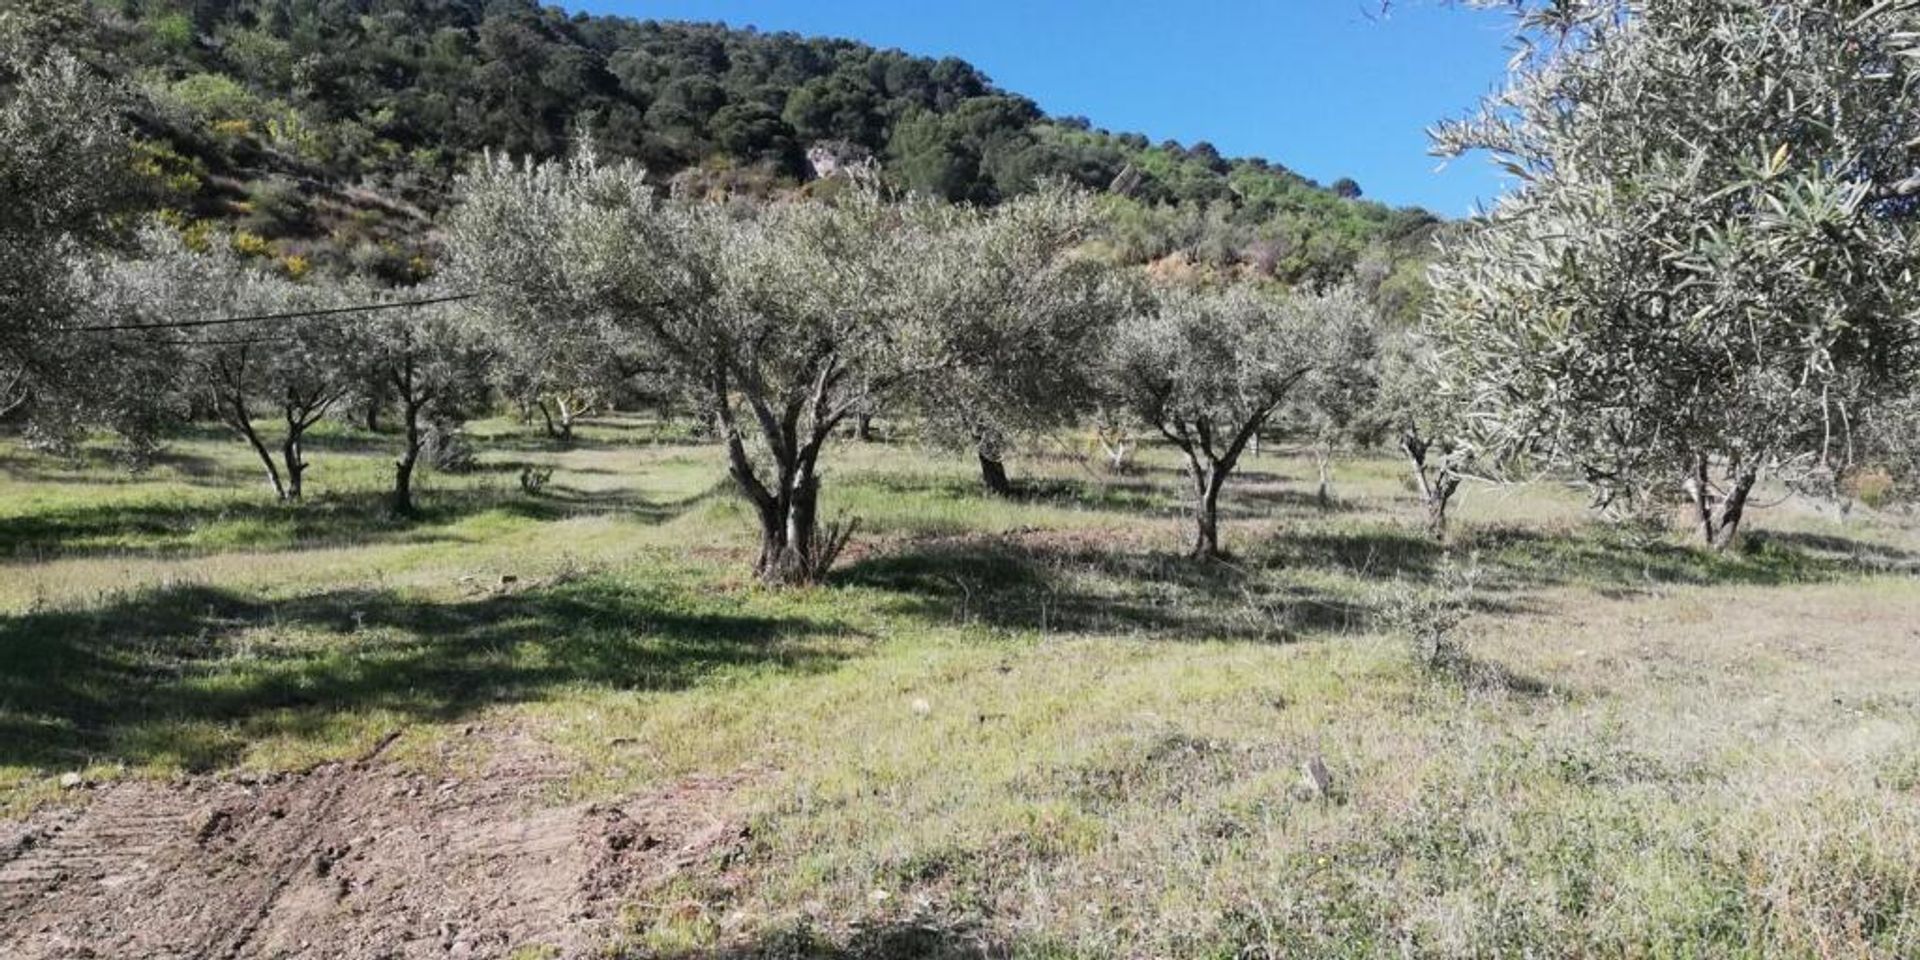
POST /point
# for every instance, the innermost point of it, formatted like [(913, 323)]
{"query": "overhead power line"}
[(211, 342), (257, 318)]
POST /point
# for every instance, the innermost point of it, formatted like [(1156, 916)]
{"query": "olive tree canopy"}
[(1033, 316), (66, 173), (1704, 275), (1208, 369), (783, 319)]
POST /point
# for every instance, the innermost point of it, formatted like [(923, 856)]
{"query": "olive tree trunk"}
[(237, 418), (1209, 464), (1437, 483), (409, 458), (290, 454), (993, 474), (558, 429), (793, 548), (1718, 516), (1208, 481), (1323, 463)]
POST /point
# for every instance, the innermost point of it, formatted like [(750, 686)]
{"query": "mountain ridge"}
[(319, 128)]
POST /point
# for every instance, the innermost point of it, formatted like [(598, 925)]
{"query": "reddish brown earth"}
[(348, 860)]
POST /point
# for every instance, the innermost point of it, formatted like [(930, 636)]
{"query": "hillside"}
[(331, 131)]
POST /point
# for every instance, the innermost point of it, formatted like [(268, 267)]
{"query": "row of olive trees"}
[(304, 351), (89, 308), (1703, 278), (784, 321)]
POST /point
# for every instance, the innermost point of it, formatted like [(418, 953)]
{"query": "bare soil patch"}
[(361, 859)]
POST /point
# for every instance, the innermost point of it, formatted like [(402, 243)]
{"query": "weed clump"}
[(1429, 616)]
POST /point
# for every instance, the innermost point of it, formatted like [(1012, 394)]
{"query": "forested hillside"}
[(329, 130)]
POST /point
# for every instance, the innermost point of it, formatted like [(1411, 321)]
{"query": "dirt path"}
[(348, 860)]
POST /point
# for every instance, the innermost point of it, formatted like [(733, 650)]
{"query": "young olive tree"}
[(783, 320), (1208, 369), (1031, 316), (294, 376), (1705, 274), (1422, 422), (430, 363), (1330, 405)]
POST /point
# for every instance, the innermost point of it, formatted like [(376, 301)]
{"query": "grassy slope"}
[(1030, 724)]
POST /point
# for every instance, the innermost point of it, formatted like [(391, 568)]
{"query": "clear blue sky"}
[(1319, 85)]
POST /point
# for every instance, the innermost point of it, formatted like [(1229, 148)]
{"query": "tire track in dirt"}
[(299, 853), (361, 859)]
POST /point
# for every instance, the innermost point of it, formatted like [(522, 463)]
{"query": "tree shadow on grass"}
[(1517, 558), (1022, 583), (1009, 584), (1612, 559), (1266, 502), (573, 501), (1118, 494), (512, 467), (102, 468), (192, 675), (609, 435), (190, 527), (185, 527), (1157, 492), (907, 939)]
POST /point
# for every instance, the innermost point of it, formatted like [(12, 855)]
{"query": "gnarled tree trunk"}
[(570, 412), (1208, 466), (1718, 516), (793, 548), (296, 464), (561, 429)]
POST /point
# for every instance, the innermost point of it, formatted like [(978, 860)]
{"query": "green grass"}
[(1029, 726)]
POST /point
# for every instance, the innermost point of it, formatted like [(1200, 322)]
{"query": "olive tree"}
[(784, 320), (1030, 315), (1208, 369), (1424, 423), (1704, 275), (295, 378), (429, 361), (1329, 408)]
